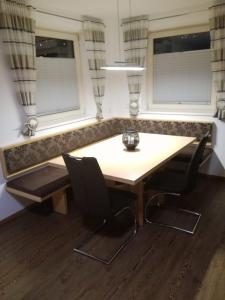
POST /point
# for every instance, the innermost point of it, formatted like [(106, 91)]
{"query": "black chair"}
[(176, 184), (181, 160), (95, 200)]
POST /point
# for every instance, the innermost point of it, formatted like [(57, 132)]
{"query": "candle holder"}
[(130, 139)]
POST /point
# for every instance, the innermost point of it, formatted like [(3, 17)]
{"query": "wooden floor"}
[(37, 261)]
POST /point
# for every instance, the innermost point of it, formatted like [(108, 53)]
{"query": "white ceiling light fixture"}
[(122, 65)]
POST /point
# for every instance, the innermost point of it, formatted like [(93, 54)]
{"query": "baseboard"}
[(45, 206), (13, 216)]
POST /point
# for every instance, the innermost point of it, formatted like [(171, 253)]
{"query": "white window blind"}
[(182, 77), (57, 87)]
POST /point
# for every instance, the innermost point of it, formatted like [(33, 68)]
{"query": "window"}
[(180, 70), (58, 84), (52, 47), (182, 43)]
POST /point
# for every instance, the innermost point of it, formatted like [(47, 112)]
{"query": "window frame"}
[(203, 109), (49, 120)]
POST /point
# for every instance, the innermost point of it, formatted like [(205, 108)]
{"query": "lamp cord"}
[(129, 8), (118, 25), (130, 22)]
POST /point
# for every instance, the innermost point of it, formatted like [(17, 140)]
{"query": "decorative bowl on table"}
[(130, 139)]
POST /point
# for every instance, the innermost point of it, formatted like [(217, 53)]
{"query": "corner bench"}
[(20, 161)]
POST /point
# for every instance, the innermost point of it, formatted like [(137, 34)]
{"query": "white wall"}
[(217, 163), (115, 103), (11, 118)]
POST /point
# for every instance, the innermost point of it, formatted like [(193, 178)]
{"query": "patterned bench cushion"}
[(180, 162), (195, 129), (24, 155)]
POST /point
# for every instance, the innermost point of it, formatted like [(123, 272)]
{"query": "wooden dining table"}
[(132, 167)]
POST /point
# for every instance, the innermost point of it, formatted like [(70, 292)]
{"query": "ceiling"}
[(107, 8)]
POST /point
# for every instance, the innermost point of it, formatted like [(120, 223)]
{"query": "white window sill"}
[(58, 124), (177, 116)]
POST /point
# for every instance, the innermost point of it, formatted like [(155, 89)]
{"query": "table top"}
[(130, 167)]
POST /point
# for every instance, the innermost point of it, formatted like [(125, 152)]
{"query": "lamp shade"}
[(122, 66)]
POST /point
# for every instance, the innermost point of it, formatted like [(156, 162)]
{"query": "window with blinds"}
[(181, 69), (57, 83)]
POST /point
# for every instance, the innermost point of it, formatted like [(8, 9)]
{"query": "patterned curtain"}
[(94, 37), (217, 33), (17, 28), (135, 38)]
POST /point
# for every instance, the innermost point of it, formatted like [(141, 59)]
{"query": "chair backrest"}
[(192, 170), (88, 185)]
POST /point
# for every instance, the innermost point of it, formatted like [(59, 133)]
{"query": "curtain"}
[(94, 36), (217, 33), (135, 39), (17, 28)]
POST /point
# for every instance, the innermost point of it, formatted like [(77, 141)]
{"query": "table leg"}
[(59, 201), (138, 189)]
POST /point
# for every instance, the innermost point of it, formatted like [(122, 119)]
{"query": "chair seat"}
[(120, 199), (167, 182), (186, 154), (180, 162)]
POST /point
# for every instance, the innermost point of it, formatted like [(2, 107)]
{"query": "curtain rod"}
[(56, 15), (150, 20), (178, 15)]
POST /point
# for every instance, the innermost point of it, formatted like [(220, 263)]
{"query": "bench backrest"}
[(182, 128), (19, 157)]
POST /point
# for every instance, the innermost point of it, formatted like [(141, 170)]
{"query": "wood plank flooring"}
[(37, 261)]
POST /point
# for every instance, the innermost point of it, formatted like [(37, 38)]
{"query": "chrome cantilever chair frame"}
[(190, 212), (189, 182), (95, 200), (118, 250)]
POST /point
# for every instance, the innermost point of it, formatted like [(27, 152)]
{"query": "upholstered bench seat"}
[(40, 184), (186, 154), (180, 161)]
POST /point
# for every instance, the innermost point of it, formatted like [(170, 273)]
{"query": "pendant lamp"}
[(120, 65)]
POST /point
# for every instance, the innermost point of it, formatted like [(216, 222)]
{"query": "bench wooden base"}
[(59, 198), (59, 201)]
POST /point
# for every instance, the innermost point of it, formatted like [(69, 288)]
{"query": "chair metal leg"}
[(118, 250), (148, 220)]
